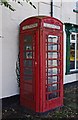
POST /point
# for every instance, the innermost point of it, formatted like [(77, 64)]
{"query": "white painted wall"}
[(44, 8), (10, 40), (10, 46), (0, 51), (77, 14), (63, 10), (70, 78)]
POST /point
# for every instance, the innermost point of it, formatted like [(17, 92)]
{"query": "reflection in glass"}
[(52, 63), (52, 87), (52, 55), (27, 47), (72, 56), (52, 79), (27, 71), (77, 55), (53, 95), (52, 38), (28, 54), (77, 38), (27, 77), (73, 37), (52, 71), (28, 38), (52, 47), (28, 63)]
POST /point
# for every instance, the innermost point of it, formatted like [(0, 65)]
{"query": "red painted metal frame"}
[(51, 104), (39, 103)]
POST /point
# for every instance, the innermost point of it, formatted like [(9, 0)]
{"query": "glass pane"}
[(52, 71), (28, 71), (77, 38), (72, 37), (52, 47), (52, 55), (72, 55), (52, 79), (28, 38), (52, 38), (28, 63), (27, 47), (52, 87), (28, 54), (53, 95), (52, 63), (77, 55), (27, 77)]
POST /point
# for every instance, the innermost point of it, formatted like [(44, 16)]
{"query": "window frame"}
[(75, 42), (69, 29)]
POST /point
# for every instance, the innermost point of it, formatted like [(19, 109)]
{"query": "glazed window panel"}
[(53, 95), (27, 71), (52, 55), (53, 71), (52, 47), (52, 87), (74, 52), (77, 54), (52, 38), (28, 47), (28, 38), (27, 55), (27, 77), (53, 63), (72, 56), (52, 79), (28, 63), (73, 37)]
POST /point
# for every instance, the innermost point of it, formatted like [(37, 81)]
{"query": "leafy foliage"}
[(6, 3), (18, 70)]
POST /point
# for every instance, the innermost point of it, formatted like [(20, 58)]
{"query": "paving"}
[(11, 109)]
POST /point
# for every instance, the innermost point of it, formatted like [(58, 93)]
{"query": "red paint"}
[(36, 75)]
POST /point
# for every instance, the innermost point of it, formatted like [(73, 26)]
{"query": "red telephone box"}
[(41, 63)]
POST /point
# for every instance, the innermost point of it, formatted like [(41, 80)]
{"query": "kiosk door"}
[(54, 91), (27, 61)]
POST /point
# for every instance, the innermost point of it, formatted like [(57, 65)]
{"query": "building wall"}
[(63, 10), (42, 8), (10, 43), (0, 51)]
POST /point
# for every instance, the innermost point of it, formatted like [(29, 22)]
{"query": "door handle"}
[(35, 63)]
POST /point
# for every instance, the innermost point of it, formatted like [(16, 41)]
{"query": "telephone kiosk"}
[(41, 63)]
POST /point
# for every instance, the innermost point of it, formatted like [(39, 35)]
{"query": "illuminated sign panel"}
[(51, 26), (29, 26)]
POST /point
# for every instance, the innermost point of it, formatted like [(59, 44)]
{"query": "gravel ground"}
[(12, 110)]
